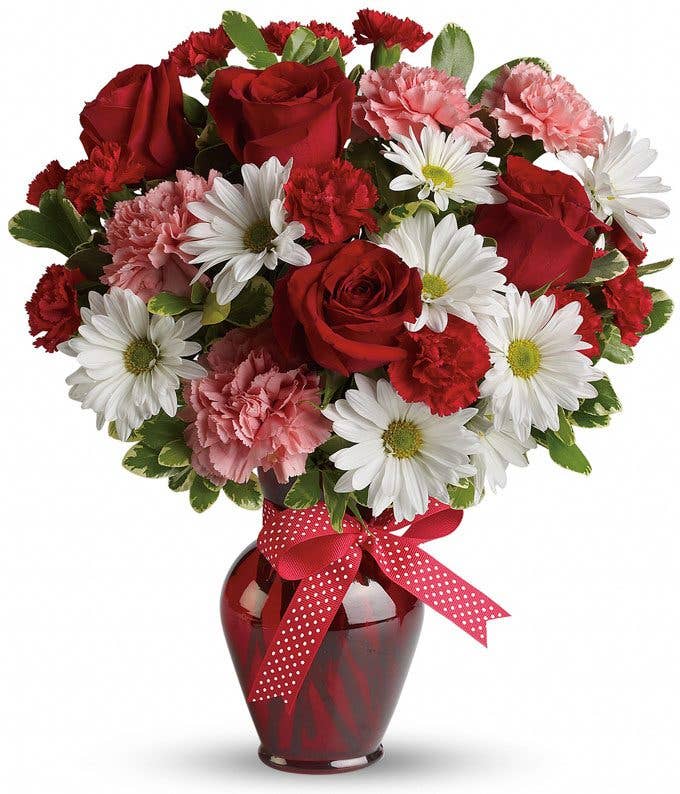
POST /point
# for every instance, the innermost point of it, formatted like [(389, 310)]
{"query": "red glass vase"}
[(352, 687)]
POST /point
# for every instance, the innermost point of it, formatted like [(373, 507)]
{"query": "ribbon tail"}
[(435, 585), (302, 629)]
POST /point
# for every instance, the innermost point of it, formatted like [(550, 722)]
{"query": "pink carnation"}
[(145, 235), (526, 100), (401, 97), (250, 411)]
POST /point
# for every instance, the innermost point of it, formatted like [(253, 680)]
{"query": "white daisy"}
[(244, 228), (498, 449), (400, 450), (614, 181), (536, 365), (130, 363), (443, 165), (460, 274)]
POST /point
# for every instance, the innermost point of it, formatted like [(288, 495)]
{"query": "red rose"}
[(349, 306), (333, 201), (276, 35), (109, 168), (213, 45), (619, 239), (370, 27), (442, 370), (287, 110), (53, 308), (631, 303), (142, 108), (541, 228), (592, 322), (49, 178)]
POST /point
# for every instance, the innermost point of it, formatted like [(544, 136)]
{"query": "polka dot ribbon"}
[(302, 545)]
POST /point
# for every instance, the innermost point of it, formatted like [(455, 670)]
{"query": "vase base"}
[(319, 767)]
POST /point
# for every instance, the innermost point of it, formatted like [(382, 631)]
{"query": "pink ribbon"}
[(302, 544)]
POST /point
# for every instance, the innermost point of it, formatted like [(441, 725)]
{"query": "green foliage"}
[(90, 260), (605, 268), (247, 495), (661, 312), (368, 156), (382, 55), (181, 479), (613, 349), (214, 312), (305, 491), (262, 59), (175, 454), (462, 495), (299, 45), (202, 494), (194, 111), (160, 430), (653, 267), (243, 32), (402, 211), (56, 224), (168, 305), (569, 456), (253, 304), (143, 461), (596, 411), (336, 503), (453, 53), (333, 382), (489, 79), (526, 147)]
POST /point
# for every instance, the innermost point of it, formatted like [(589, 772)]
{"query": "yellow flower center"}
[(438, 176), (433, 287), (258, 236), (402, 439), (524, 358), (140, 356)]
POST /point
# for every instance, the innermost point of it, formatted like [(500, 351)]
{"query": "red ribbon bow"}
[(302, 544)]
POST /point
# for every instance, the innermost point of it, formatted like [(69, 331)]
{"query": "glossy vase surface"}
[(352, 687)]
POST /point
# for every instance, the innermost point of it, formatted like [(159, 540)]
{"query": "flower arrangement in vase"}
[(351, 298)]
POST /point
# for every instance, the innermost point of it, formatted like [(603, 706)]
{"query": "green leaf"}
[(605, 268), (336, 503), (462, 495), (175, 454), (453, 53), (489, 79), (113, 433), (243, 32), (596, 411), (253, 304), (332, 445), (202, 494), (143, 461), (382, 55), (653, 267), (168, 305), (332, 383), (181, 479), (402, 211), (661, 312), (198, 293), (207, 85), (564, 432), (56, 224), (299, 45), (326, 48), (613, 349), (356, 74), (160, 430), (195, 112), (90, 262), (214, 312), (526, 147), (569, 456), (305, 491), (247, 495), (262, 59)]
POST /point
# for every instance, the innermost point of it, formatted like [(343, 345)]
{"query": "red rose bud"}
[(333, 201), (541, 229), (592, 322), (442, 370), (49, 178), (631, 303), (371, 27), (142, 108), (347, 307), (53, 308), (287, 110)]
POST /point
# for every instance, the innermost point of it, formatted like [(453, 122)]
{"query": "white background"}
[(114, 676)]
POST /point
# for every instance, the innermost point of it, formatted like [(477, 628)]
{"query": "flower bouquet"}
[(351, 298)]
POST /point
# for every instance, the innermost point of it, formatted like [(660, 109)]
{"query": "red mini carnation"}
[(109, 168), (370, 27), (333, 201), (276, 34), (442, 370), (49, 178), (592, 322), (631, 303), (212, 45), (53, 308)]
